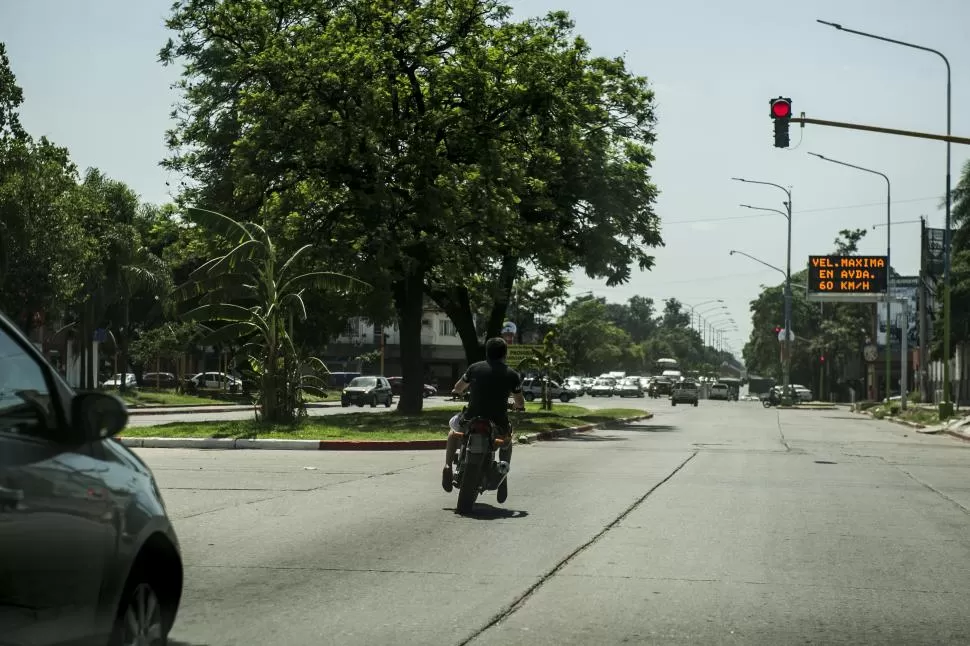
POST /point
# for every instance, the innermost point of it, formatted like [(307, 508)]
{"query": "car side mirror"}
[(98, 415)]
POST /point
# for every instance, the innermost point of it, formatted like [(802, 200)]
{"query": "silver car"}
[(87, 552)]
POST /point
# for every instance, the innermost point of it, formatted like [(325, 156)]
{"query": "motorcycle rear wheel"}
[(471, 476)]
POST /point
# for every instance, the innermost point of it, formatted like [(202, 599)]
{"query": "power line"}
[(705, 279), (819, 210)]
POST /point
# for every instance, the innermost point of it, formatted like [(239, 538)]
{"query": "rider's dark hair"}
[(496, 349)]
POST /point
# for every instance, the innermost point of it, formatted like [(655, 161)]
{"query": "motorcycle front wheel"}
[(471, 476)]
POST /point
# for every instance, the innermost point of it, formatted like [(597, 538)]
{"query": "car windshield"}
[(603, 382), (631, 381), (363, 382), (688, 385), (720, 387)]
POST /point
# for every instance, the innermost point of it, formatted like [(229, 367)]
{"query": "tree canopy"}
[(422, 145)]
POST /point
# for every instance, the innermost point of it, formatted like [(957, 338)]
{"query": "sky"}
[(92, 83)]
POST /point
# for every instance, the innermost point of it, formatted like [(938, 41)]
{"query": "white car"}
[(215, 380), (804, 394), (116, 381)]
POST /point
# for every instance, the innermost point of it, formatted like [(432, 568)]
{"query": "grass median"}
[(432, 424), (136, 398)]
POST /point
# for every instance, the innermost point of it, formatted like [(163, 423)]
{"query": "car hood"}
[(359, 389)]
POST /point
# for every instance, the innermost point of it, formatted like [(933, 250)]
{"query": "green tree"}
[(254, 273), (578, 161), (959, 272), (591, 342), (837, 330)]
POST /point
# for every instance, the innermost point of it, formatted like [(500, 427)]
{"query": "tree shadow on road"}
[(586, 437), (485, 511), (651, 428)]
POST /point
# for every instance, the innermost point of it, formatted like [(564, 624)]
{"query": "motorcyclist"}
[(490, 383), (773, 397)]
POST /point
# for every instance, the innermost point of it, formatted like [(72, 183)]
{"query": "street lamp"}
[(889, 267), (946, 406), (787, 342), (693, 308)]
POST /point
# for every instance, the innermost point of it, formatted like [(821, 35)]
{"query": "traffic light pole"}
[(888, 131)]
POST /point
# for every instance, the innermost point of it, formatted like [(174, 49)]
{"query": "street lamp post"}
[(946, 406), (785, 365), (889, 270), (788, 305)]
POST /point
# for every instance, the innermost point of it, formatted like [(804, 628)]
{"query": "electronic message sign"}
[(847, 276)]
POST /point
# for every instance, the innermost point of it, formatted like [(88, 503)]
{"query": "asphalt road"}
[(246, 412), (722, 524)]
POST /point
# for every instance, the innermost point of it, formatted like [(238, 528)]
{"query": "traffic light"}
[(778, 329), (822, 358), (781, 115)]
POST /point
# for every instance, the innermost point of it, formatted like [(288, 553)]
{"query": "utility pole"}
[(924, 319)]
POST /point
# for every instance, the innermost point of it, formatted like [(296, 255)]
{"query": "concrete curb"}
[(340, 445), (566, 432), (833, 407), (190, 409), (957, 434)]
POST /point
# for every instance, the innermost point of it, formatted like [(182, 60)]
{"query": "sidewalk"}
[(209, 408)]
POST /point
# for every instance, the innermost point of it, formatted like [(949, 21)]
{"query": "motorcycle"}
[(476, 468)]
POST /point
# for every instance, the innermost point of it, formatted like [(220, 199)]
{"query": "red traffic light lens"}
[(781, 109)]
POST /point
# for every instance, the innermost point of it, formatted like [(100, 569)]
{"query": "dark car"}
[(87, 552), (684, 392), (397, 384), (630, 387), (368, 390)]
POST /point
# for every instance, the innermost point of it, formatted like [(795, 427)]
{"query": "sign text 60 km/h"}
[(847, 274)]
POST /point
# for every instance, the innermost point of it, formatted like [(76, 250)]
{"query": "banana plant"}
[(547, 361), (255, 292)]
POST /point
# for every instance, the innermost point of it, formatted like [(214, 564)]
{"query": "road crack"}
[(945, 497), (520, 600), (781, 432)]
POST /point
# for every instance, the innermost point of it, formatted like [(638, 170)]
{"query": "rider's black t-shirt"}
[(491, 384)]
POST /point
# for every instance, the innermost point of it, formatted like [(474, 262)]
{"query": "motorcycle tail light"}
[(480, 426)]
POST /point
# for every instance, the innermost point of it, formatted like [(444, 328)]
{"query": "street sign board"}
[(847, 277), (791, 335), (518, 352)]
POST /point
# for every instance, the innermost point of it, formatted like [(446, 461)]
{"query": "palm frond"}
[(325, 280), (222, 225)]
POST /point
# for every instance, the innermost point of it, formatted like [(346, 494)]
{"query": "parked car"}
[(368, 390), (630, 387), (213, 381), (397, 383), (89, 555), (159, 380), (602, 387), (719, 391), (576, 386), (532, 390), (116, 381), (803, 393), (684, 392)]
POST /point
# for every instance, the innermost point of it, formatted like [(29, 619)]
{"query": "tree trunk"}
[(123, 342), (409, 303), (506, 281), (456, 303)]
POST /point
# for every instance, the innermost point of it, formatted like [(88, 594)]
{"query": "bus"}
[(669, 368)]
